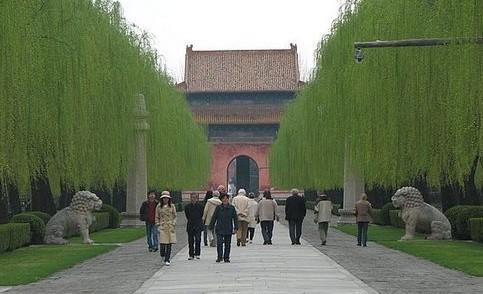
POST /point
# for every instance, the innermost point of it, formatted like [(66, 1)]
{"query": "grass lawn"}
[(30, 264), (465, 256)]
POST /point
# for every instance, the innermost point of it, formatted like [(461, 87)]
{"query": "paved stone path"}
[(280, 268), (386, 270)]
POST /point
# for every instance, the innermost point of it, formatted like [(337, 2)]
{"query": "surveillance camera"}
[(359, 55)]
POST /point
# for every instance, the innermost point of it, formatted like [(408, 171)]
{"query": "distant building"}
[(240, 96)]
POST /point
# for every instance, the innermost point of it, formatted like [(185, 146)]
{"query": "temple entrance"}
[(243, 173)]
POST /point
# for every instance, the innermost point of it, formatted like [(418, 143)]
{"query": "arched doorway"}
[(243, 173)]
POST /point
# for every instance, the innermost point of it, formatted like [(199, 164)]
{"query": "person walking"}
[(240, 202), (323, 213), (252, 211), (194, 226), (295, 212), (208, 195), (225, 223), (166, 223), (363, 212), (267, 213), (208, 212), (147, 214)]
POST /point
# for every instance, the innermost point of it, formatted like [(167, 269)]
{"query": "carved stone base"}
[(346, 217), (129, 220)]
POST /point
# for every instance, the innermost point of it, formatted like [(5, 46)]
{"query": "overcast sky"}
[(228, 24)]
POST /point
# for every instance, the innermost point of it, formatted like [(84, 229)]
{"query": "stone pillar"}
[(137, 182), (353, 188)]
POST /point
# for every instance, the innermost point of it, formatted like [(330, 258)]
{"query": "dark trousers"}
[(295, 230), (250, 233), (267, 230), (205, 235), (362, 233), (223, 240), (194, 242), (165, 251)]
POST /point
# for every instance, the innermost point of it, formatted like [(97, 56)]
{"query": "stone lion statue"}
[(73, 219), (419, 215)]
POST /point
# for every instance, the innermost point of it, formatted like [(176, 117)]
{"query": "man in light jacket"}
[(240, 202), (323, 212), (363, 212), (266, 214), (208, 212)]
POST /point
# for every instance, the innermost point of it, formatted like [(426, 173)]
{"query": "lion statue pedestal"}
[(420, 216), (73, 219)]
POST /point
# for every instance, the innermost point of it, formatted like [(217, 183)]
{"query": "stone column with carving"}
[(137, 182), (353, 188)]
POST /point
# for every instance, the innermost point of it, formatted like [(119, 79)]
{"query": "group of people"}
[(219, 219)]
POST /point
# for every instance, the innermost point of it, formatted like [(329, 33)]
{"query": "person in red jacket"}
[(147, 214)]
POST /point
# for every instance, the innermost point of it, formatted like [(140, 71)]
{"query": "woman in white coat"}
[(252, 211)]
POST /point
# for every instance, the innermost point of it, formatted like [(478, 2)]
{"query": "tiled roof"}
[(241, 70), (239, 114)]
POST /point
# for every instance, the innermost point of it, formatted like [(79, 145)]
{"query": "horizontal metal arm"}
[(417, 42)]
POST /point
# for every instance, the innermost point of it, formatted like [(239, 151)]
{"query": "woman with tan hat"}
[(166, 222)]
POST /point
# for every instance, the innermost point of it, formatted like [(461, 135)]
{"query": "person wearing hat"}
[(166, 222), (323, 212), (295, 211)]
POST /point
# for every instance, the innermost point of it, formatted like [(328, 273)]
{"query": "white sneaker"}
[(167, 263), (197, 257)]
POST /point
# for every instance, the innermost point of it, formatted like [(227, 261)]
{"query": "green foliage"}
[(13, 236), (70, 75), (37, 226), (476, 229), (377, 217), (459, 217), (179, 206), (395, 219), (44, 216), (280, 202), (101, 222), (114, 216), (384, 217), (403, 112)]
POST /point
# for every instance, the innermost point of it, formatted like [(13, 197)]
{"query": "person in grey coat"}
[(363, 212)]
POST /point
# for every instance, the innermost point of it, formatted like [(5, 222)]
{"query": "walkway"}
[(280, 268)]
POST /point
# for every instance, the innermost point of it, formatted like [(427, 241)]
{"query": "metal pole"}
[(417, 42)]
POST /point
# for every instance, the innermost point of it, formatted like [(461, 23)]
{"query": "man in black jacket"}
[(194, 226), (225, 222), (295, 212)]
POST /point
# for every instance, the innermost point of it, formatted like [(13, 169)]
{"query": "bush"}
[(476, 229), (335, 209), (377, 217), (13, 236), (44, 216), (459, 217), (102, 221), (280, 201), (396, 220), (179, 206), (37, 226), (114, 216), (384, 217), (310, 204)]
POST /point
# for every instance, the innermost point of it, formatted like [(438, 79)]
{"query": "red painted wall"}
[(223, 154)]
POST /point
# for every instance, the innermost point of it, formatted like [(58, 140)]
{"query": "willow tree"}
[(69, 74), (402, 113)]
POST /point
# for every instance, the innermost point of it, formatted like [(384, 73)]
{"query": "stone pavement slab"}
[(256, 268), (386, 270)]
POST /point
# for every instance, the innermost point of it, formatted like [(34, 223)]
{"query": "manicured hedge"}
[(476, 229), (310, 204), (377, 217), (396, 220), (44, 216), (179, 206), (14, 235), (37, 226), (335, 209), (384, 217), (102, 221), (459, 217), (280, 201), (114, 215)]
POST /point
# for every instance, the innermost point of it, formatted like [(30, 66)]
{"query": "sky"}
[(228, 24)]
